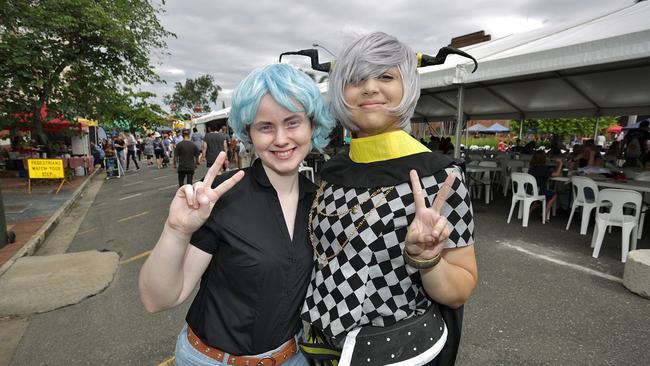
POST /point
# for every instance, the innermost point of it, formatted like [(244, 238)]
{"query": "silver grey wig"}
[(371, 56)]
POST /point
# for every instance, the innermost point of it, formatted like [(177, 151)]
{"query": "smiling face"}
[(281, 138), (370, 100)]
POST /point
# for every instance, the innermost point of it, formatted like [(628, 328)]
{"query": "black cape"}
[(341, 170)]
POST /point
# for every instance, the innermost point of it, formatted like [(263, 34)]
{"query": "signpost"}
[(45, 169)]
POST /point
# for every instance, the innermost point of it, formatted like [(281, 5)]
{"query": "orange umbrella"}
[(614, 129)]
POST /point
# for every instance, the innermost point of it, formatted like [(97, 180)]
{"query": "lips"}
[(371, 104), (285, 154)]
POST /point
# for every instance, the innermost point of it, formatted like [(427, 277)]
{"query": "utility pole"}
[(5, 236)]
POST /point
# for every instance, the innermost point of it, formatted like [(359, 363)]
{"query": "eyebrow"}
[(288, 118), (293, 116)]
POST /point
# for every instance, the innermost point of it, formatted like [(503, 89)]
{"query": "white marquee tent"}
[(214, 115), (593, 67)]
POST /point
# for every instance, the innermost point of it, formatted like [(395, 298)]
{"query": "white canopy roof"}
[(214, 115), (593, 67)]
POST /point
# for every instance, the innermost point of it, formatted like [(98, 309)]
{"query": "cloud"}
[(227, 39), (170, 71)]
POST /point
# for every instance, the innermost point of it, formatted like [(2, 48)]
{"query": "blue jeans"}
[(186, 355)]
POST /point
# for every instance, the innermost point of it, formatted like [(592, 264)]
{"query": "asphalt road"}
[(541, 298)]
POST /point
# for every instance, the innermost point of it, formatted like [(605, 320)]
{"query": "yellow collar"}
[(385, 146)]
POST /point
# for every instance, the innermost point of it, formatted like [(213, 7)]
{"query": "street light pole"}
[(324, 48)]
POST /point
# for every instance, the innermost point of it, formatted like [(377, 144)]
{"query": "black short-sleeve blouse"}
[(251, 293)]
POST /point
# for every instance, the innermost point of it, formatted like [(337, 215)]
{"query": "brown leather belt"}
[(276, 359)]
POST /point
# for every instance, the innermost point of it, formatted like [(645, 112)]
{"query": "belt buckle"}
[(261, 361)]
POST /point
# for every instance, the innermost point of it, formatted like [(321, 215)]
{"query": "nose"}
[(281, 137), (369, 86)]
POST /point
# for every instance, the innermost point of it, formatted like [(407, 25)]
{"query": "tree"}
[(194, 95), (564, 126), (73, 55), (133, 107)]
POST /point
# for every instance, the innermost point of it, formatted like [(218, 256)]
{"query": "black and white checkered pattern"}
[(368, 281)]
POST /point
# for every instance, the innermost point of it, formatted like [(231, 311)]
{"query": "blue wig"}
[(286, 86)]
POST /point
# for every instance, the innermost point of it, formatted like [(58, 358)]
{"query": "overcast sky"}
[(229, 38)]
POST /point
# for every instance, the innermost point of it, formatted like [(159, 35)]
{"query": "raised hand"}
[(192, 204), (429, 230)]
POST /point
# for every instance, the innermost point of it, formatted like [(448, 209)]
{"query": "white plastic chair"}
[(486, 179), (512, 166), (612, 202), (521, 184), (580, 185), (309, 171), (646, 202)]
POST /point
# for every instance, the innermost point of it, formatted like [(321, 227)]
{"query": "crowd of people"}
[(160, 150)]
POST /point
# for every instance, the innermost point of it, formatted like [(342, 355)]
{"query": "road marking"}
[(563, 263), (168, 187), (131, 196), (168, 362), (136, 257), (133, 216), (132, 184), (86, 231), (164, 176)]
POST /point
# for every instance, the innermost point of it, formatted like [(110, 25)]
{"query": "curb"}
[(32, 245)]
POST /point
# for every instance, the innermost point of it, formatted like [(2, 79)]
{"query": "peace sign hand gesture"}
[(429, 230), (192, 204)]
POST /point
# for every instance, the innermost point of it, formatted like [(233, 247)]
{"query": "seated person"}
[(595, 164), (528, 148), (539, 169), (579, 157)]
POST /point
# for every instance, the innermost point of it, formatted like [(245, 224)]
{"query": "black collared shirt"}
[(252, 291)]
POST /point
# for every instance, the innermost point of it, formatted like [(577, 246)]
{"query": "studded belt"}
[(276, 359)]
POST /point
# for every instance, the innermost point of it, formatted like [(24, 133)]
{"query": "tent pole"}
[(459, 121), (521, 128), (596, 131)]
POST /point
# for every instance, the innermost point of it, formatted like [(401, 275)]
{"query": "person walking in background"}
[(130, 149), (197, 139), (234, 151), (167, 146), (139, 147), (223, 232), (186, 156), (120, 147), (244, 155), (159, 150), (214, 143), (148, 148)]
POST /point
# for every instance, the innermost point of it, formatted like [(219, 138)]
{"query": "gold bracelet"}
[(419, 263)]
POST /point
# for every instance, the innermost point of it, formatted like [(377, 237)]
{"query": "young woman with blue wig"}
[(243, 234)]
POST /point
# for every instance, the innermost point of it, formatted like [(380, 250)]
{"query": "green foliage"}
[(132, 110), (76, 55), (492, 141), (199, 92), (564, 126)]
